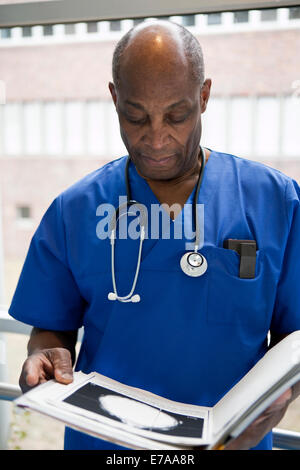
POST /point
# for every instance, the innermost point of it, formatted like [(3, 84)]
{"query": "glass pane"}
[(92, 27), (70, 28), (32, 128), (137, 21), (23, 212), (240, 128), (294, 13), (188, 20), (53, 128), (269, 15), (5, 33), (115, 25), (214, 18), (290, 128), (214, 131), (74, 128), (12, 128), (115, 143), (48, 30), (96, 128), (267, 127), (241, 16), (26, 31)]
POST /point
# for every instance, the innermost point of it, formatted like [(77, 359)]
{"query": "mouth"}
[(158, 161)]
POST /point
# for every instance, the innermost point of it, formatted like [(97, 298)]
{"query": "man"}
[(188, 339)]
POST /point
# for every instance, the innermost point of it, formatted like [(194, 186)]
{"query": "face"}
[(160, 120)]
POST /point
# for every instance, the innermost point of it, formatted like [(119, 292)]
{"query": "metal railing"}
[(282, 439), (9, 392)]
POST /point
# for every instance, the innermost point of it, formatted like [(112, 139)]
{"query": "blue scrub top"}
[(188, 339)]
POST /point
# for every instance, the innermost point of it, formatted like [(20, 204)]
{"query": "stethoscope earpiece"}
[(135, 298), (112, 296)]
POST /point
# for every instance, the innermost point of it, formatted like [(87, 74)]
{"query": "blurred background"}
[(58, 123)]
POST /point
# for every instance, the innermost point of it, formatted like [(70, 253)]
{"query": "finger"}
[(279, 405), (62, 365), (31, 373), (284, 397)]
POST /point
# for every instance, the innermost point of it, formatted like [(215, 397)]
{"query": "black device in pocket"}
[(247, 252)]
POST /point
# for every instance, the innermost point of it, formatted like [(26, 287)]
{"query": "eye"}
[(136, 121), (177, 119)]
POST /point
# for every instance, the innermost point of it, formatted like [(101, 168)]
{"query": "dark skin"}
[(159, 108), (51, 354)]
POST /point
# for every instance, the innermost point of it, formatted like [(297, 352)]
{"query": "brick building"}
[(57, 121)]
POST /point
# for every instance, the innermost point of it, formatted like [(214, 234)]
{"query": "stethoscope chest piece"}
[(193, 264)]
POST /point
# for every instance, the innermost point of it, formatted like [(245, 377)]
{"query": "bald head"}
[(152, 48)]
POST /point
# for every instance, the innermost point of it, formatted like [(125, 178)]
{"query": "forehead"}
[(158, 86)]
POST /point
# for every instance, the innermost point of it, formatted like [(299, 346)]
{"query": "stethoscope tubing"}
[(113, 228)]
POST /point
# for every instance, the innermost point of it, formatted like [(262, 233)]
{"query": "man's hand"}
[(263, 424), (51, 355), (54, 363)]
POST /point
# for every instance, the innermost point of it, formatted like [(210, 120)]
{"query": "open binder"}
[(137, 419)]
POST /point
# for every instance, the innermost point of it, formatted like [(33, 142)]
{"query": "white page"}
[(50, 396), (267, 372)]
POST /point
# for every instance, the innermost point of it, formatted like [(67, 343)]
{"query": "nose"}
[(157, 136)]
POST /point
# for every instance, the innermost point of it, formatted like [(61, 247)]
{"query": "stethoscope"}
[(192, 263)]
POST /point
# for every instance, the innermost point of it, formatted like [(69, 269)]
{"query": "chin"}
[(159, 171), (156, 173)]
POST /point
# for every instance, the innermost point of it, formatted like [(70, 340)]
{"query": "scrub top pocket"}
[(231, 299)]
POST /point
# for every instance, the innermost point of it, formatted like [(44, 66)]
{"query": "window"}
[(137, 21), (32, 128), (70, 28), (23, 212), (54, 128), (267, 127), (241, 16), (115, 25), (5, 33), (12, 129), (214, 18), (115, 143), (74, 127), (290, 128), (214, 131), (294, 13), (48, 30), (96, 114), (239, 118), (188, 20), (92, 27), (26, 31), (269, 15)]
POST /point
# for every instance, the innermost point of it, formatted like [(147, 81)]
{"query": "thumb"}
[(62, 365)]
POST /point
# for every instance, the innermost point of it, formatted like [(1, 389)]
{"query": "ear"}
[(205, 94), (113, 93)]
